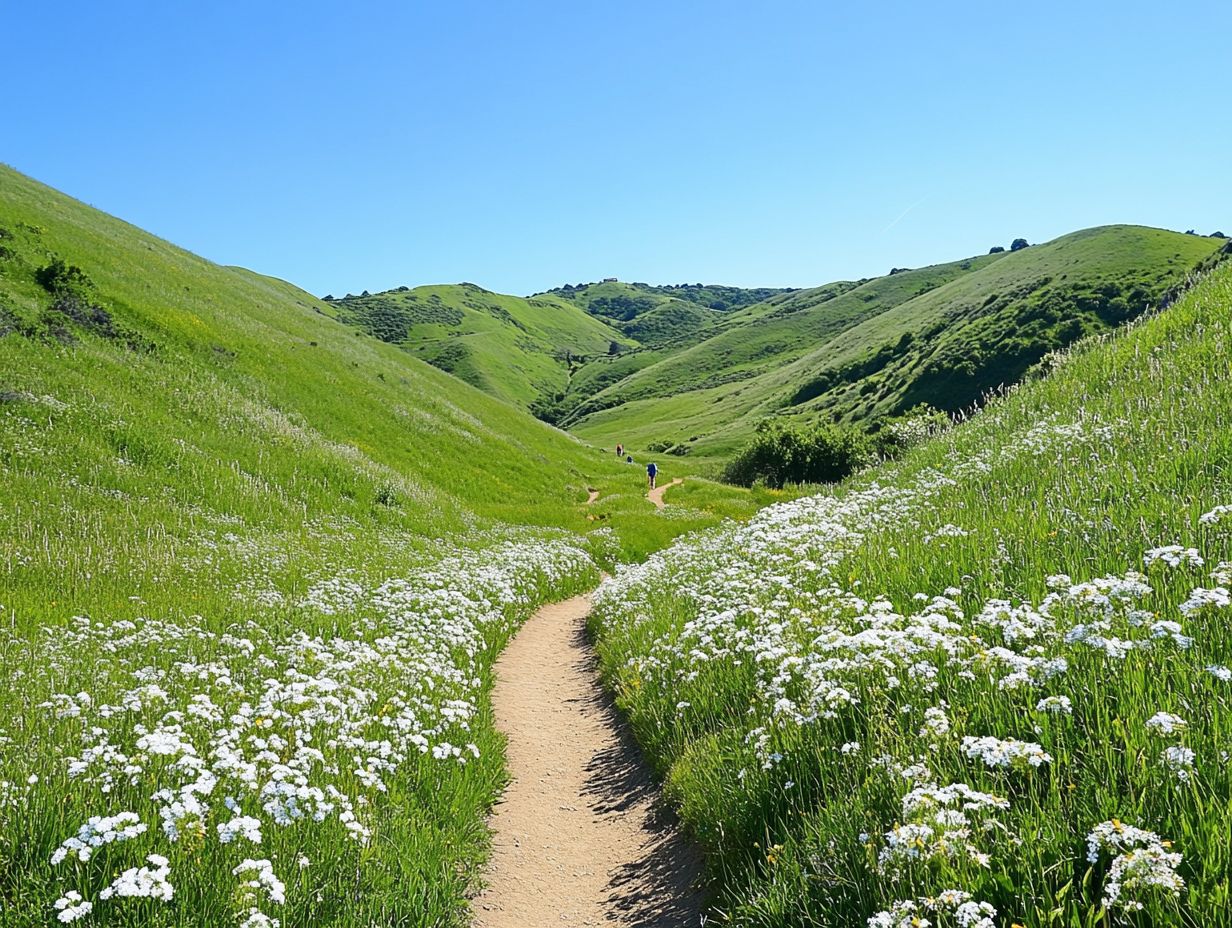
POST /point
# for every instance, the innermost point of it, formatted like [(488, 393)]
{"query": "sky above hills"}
[(522, 146)]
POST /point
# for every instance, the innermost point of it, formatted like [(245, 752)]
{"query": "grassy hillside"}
[(678, 314), (761, 340), (521, 350), (667, 331), (941, 335), (987, 685), (254, 566)]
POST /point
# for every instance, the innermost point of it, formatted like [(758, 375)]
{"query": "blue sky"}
[(525, 145)]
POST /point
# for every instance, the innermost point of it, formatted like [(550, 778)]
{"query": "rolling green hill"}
[(167, 371), (517, 349), (940, 335), (654, 316)]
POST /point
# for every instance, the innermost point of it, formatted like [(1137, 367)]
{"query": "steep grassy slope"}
[(254, 566), (985, 686), (763, 339), (520, 350), (940, 335)]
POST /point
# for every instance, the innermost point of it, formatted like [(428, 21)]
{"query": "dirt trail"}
[(580, 837), (594, 495), (656, 495)]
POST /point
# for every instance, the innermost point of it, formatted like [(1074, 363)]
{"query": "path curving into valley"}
[(656, 495), (580, 836)]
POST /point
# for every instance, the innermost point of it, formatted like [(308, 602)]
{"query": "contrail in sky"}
[(904, 213)]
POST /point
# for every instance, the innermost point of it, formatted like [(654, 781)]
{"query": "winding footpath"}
[(580, 836), (656, 495)]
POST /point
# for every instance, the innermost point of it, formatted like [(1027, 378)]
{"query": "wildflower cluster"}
[(266, 735), (977, 703)]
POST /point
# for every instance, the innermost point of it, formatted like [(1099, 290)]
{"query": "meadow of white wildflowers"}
[(328, 761), (986, 686)]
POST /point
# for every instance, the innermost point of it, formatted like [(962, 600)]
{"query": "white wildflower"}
[(1057, 705), (1165, 723), (995, 752), (71, 907)]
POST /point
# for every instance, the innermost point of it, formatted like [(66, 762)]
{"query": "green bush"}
[(780, 454), (60, 278)]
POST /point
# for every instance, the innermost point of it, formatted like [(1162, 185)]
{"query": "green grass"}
[(268, 496), (941, 335), (747, 657)]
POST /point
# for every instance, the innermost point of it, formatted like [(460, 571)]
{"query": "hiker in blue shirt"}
[(651, 473)]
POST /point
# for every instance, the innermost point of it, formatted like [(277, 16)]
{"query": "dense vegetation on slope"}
[(254, 566), (517, 349), (986, 685), (940, 335), (612, 299), (675, 315)]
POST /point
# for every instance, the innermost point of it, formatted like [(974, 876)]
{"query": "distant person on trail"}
[(651, 473), (629, 459), (620, 451)]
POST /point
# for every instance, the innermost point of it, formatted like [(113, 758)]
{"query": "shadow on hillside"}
[(662, 887)]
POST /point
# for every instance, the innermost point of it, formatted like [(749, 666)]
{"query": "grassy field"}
[(987, 685), (254, 566), (940, 335)]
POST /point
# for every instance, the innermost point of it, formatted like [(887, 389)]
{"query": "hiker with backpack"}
[(651, 472)]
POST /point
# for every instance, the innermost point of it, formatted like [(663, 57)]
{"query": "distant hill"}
[(517, 349), (940, 335), (692, 369), (657, 315)]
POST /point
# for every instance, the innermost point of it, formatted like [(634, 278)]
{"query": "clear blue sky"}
[(524, 145)]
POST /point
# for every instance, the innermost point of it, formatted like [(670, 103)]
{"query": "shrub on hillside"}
[(60, 278), (1019, 244), (895, 435), (780, 454)]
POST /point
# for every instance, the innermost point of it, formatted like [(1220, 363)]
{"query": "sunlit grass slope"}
[(254, 567), (987, 685), (941, 335), (517, 349)]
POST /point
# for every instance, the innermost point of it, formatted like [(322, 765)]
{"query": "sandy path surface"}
[(656, 495), (594, 495), (580, 837)]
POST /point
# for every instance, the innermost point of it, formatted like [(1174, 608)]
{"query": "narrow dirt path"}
[(656, 495), (580, 837), (593, 495)]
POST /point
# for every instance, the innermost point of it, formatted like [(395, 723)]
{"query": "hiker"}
[(651, 473), (629, 459), (620, 451)]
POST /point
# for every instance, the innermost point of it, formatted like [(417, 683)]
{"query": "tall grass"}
[(948, 687)]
